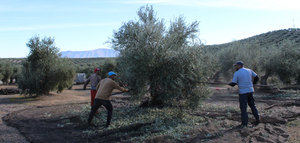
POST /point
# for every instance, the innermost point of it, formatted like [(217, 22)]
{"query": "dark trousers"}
[(96, 106), (245, 99)]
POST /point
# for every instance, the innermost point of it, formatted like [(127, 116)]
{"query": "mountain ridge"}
[(97, 53)]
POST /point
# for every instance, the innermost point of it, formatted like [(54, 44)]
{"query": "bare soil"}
[(55, 118)]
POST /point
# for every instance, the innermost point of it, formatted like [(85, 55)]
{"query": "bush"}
[(248, 53), (282, 60), (1, 76), (109, 65), (163, 62), (16, 73), (65, 75), (88, 70), (43, 70), (6, 71)]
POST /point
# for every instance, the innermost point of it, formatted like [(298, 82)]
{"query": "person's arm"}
[(99, 78), (256, 78), (232, 84), (234, 80), (86, 83), (116, 86), (98, 85)]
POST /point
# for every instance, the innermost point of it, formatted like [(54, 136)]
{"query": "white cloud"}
[(244, 4), (145, 1), (56, 26)]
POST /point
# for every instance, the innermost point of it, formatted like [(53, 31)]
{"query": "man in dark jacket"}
[(243, 78), (94, 79)]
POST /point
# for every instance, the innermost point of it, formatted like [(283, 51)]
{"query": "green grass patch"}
[(154, 122)]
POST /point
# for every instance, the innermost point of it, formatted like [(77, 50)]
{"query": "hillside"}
[(269, 38), (98, 53)]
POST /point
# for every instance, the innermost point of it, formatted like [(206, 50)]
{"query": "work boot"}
[(242, 126), (256, 122), (91, 125)]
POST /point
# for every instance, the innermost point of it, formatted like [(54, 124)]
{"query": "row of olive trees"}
[(106, 66), (281, 60), (43, 70), (161, 61)]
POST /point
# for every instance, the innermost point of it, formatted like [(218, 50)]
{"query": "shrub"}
[(283, 60), (6, 71), (163, 62), (1, 76), (65, 75), (250, 54), (280, 59), (109, 65), (16, 72), (43, 69)]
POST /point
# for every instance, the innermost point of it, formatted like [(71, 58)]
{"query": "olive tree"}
[(43, 69), (16, 73), (160, 61), (6, 71), (282, 60), (107, 66), (249, 53)]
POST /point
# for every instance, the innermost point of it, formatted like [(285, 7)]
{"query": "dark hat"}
[(239, 63)]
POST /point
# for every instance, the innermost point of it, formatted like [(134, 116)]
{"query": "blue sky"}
[(79, 25)]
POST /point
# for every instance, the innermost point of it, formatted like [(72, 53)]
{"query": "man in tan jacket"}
[(104, 90)]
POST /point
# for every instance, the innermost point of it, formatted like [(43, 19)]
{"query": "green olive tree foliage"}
[(279, 59), (107, 66), (6, 71), (160, 61), (43, 70), (249, 53), (1, 76), (16, 72), (282, 60)]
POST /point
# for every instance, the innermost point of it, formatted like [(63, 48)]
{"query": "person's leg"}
[(251, 103), (109, 109), (94, 109), (93, 94), (243, 107), (92, 100)]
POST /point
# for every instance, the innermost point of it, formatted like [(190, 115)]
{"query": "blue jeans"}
[(245, 99)]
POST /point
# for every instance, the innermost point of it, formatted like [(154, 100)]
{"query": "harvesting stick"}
[(119, 92), (259, 85)]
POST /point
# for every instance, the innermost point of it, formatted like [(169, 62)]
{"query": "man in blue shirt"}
[(243, 78)]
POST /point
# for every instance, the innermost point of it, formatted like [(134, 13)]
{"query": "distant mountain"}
[(98, 53)]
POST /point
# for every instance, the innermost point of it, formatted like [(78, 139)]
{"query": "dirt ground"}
[(55, 118)]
